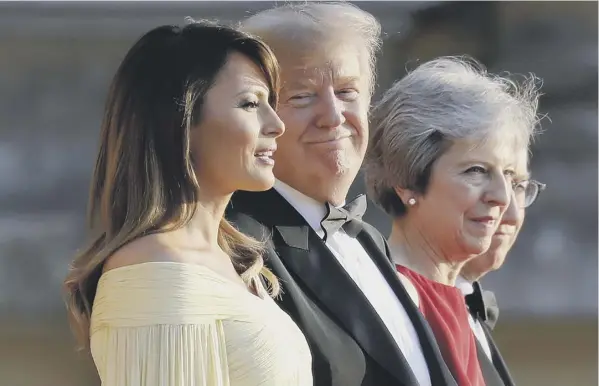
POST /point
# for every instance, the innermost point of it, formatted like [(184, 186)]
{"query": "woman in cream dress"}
[(169, 293)]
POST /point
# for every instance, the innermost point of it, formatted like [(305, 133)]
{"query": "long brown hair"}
[(144, 180)]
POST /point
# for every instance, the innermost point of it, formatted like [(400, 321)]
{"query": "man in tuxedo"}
[(338, 283), (482, 304)]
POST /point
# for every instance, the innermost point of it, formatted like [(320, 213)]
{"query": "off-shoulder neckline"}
[(178, 264)]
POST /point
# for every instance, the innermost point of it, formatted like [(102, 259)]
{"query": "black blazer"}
[(350, 344)]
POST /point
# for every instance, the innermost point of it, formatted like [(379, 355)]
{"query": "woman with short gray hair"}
[(449, 145)]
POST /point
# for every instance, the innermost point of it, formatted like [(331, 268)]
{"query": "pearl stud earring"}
[(412, 201)]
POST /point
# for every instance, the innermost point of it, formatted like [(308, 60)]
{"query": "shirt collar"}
[(464, 285), (310, 209)]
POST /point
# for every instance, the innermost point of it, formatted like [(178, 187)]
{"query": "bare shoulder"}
[(143, 250), (157, 248)]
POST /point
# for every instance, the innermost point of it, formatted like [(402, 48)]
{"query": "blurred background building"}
[(56, 62)]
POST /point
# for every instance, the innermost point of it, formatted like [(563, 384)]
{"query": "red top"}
[(444, 308)]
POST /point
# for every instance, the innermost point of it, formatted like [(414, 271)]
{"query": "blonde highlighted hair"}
[(144, 181)]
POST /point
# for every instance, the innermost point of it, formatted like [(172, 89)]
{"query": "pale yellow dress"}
[(178, 324)]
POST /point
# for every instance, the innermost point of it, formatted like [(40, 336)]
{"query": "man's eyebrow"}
[(312, 81), (346, 79), (522, 176), (305, 81)]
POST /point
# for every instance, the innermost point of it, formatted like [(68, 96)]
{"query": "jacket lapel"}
[(439, 372), (498, 362), (490, 375), (308, 258), (324, 280)]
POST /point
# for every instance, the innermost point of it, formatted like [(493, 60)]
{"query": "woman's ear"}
[(407, 196)]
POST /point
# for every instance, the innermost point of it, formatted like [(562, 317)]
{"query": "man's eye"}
[(300, 97), (348, 93), (520, 186)]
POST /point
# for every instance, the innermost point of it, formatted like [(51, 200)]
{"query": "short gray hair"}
[(306, 25), (441, 101)]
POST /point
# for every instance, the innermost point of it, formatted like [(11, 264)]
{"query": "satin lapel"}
[(439, 372), (309, 260), (498, 361)]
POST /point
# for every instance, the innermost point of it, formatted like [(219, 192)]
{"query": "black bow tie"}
[(348, 217), (483, 305)]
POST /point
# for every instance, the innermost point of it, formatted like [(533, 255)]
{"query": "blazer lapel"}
[(439, 372), (308, 258)]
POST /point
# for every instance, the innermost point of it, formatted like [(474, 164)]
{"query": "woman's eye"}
[(476, 170), (250, 105)]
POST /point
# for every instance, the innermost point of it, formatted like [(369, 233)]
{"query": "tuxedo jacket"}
[(494, 370), (350, 344)]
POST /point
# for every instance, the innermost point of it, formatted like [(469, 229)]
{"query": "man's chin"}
[(501, 243), (483, 264), (493, 262)]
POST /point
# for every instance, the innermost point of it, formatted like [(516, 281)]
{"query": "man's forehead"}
[(313, 72), (520, 165), (522, 170)]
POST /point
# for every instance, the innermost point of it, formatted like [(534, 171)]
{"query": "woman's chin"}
[(477, 245), (259, 183)]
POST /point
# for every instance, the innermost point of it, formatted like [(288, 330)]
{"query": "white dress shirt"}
[(466, 287), (360, 267)]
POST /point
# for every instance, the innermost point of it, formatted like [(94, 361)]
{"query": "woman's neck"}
[(410, 249), (201, 232)]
